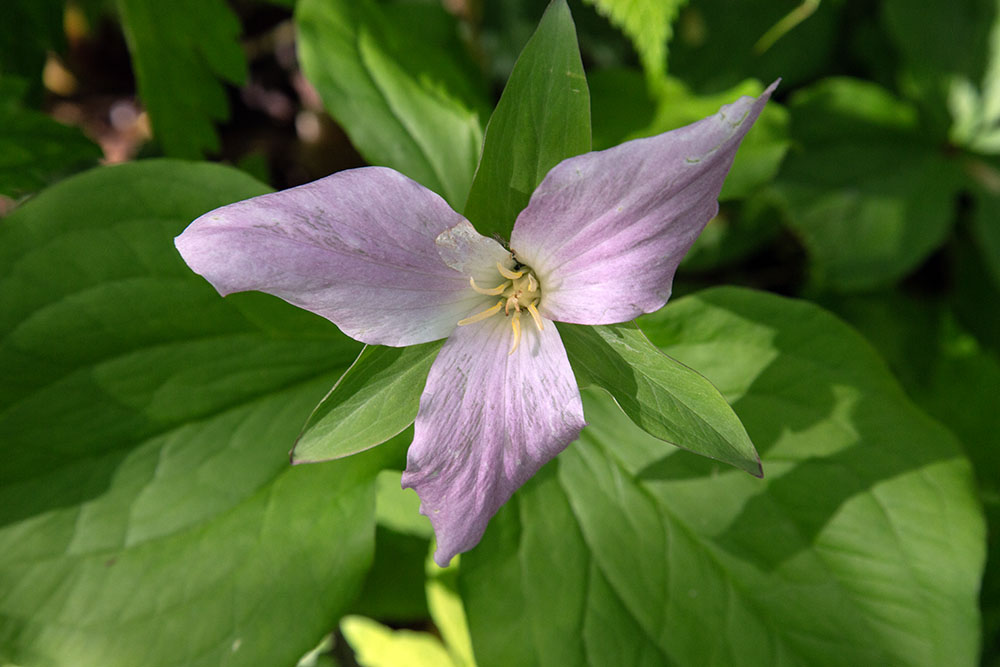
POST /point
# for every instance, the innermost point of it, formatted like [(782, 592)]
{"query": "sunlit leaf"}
[(615, 554), (376, 645), (148, 513), (661, 395)]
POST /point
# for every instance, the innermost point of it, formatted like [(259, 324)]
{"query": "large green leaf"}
[(148, 514), (543, 117), (863, 545), (662, 396), (180, 49), (375, 399), (34, 148), (396, 98), (950, 375), (869, 194)]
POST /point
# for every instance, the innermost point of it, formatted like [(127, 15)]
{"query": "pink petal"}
[(487, 422), (357, 247), (605, 231)]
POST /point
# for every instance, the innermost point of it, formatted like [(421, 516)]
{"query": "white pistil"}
[(519, 291)]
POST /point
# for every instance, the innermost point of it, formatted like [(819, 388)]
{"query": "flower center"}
[(518, 292)]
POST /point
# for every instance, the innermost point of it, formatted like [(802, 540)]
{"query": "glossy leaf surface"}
[(148, 514)]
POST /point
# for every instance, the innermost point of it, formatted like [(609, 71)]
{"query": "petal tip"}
[(442, 559)]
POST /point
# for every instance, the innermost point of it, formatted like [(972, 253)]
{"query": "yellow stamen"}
[(492, 291), (515, 324), (507, 273), (535, 316), (532, 283), (489, 312)]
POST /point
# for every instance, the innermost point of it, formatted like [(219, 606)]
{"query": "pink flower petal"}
[(357, 247), (488, 421), (605, 231)]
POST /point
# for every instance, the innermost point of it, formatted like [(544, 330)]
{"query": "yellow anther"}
[(515, 324), (518, 292), (493, 291), (478, 317), (535, 315), (507, 273)]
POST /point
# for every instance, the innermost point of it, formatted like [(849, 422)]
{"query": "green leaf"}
[(375, 645), (648, 23), (398, 508), (34, 148), (375, 399), (525, 137), (179, 51), (870, 195), (665, 398), (447, 611), (148, 514), (951, 376), (867, 514), (394, 96), (394, 589)]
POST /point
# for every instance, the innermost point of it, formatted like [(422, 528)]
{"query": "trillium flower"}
[(390, 263)]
